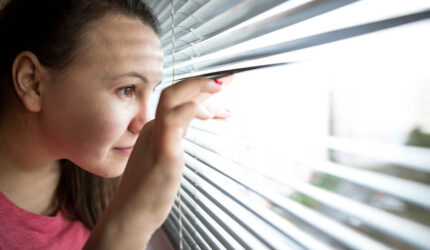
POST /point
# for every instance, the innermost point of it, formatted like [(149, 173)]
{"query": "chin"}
[(106, 170), (111, 171), (104, 165)]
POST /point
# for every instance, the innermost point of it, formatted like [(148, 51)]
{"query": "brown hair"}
[(52, 30)]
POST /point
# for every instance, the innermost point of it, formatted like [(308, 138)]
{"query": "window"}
[(328, 149)]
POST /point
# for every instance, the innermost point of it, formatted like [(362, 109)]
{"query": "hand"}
[(152, 177)]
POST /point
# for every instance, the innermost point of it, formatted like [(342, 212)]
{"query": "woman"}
[(76, 77)]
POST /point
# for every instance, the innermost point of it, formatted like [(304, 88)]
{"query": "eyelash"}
[(132, 90)]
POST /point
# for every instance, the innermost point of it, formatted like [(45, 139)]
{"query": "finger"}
[(224, 82), (174, 125), (185, 91), (226, 79), (195, 89), (205, 112), (211, 112), (221, 113)]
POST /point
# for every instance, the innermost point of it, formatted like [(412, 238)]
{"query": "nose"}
[(139, 120)]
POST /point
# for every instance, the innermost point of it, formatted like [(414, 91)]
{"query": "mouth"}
[(124, 150)]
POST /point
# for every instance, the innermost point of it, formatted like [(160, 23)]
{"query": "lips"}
[(124, 150)]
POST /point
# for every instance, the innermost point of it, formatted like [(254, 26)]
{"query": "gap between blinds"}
[(217, 206)]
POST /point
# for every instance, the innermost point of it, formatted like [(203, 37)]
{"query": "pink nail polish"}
[(218, 81), (211, 111)]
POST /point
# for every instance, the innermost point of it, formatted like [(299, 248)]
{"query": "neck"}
[(29, 175)]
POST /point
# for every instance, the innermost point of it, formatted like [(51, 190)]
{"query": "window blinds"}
[(227, 201)]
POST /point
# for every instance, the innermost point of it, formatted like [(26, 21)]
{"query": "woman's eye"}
[(127, 91)]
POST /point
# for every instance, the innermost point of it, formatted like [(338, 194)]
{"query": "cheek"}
[(96, 130), (84, 130)]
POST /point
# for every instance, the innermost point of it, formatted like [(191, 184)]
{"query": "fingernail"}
[(218, 81), (228, 110), (209, 110)]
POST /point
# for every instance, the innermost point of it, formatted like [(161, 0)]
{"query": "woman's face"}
[(93, 111)]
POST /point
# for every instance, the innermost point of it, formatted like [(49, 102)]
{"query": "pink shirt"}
[(20, 229)]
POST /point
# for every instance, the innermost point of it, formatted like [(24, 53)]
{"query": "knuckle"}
[(175, 116), (166, 97), (166, 93)]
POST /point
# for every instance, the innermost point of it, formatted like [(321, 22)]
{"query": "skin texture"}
[(95, 113)]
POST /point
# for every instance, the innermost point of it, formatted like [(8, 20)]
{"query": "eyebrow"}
[(131, 74)]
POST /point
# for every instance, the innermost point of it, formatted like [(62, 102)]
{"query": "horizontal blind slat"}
[(190, 229), (191, 244), (219, 234), (342, 233), (213, 62), (238, 218), (416, 158), (255, 225), (158, 8), (235, 236), (408, 156), (391, 224), (411, 191), (199, 226), (191, 21), (165, 13), (182, 12), (286, 18), (216, 17), (270, 217), (408, 190), (171, 226)]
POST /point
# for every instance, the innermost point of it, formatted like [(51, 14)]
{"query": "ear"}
[(26, 73)]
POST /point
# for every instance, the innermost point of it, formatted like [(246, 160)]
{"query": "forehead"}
[(118, 43)]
